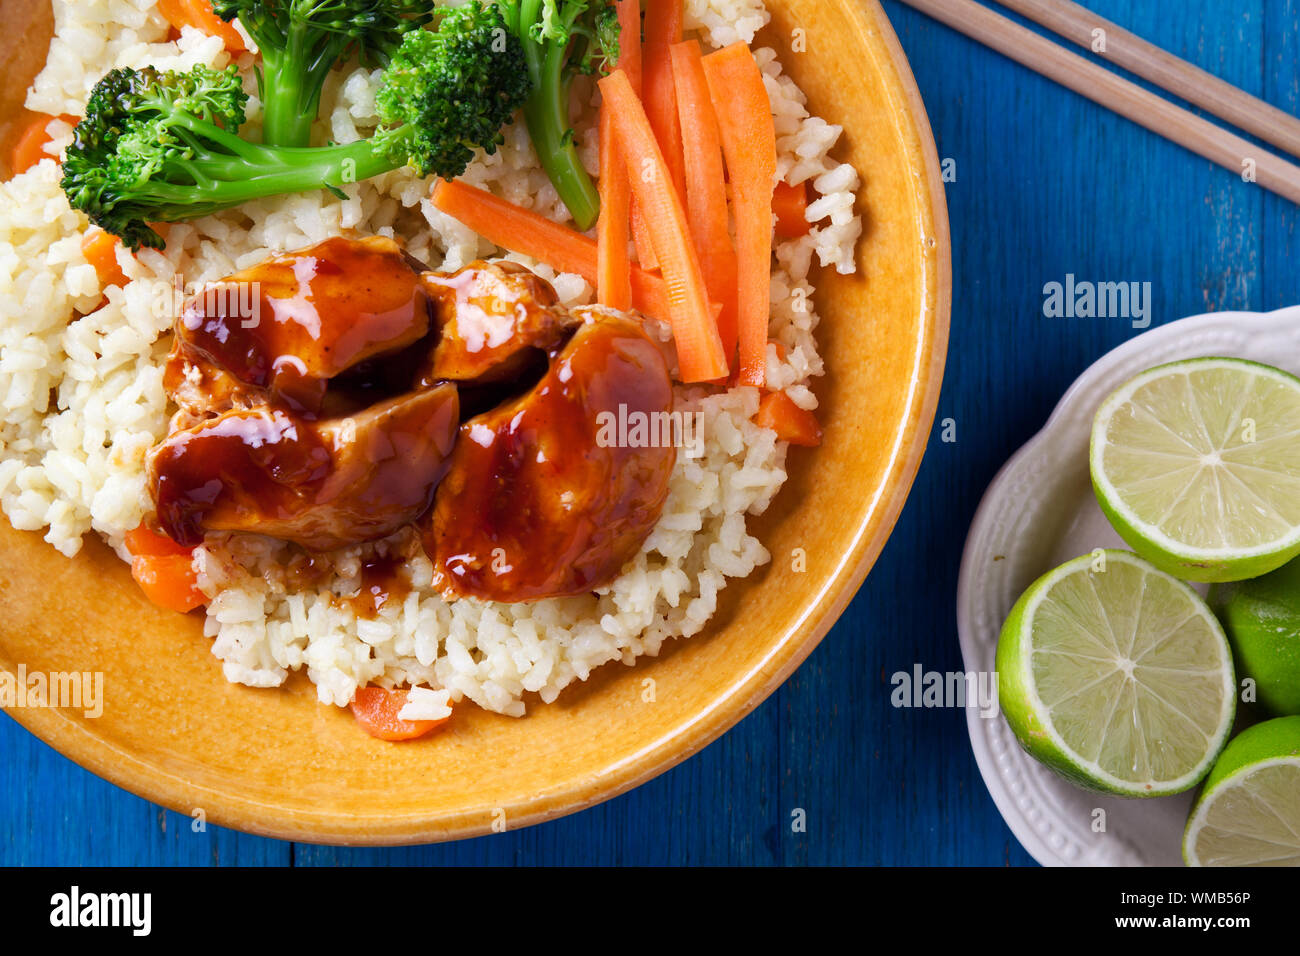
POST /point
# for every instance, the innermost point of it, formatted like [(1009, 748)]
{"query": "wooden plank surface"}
[(1047, 184)]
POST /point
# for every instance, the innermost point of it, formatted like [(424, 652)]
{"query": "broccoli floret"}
[(164, 146), (562, 38), (447, 92), (301, 41)]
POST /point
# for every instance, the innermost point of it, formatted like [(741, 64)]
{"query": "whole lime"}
[(1262, 618)]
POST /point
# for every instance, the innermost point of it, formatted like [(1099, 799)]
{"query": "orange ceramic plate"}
[(275, 762)]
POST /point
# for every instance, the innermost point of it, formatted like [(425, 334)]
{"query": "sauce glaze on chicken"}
[(367, 394), (316, 313), (489, 316), (322, 484)]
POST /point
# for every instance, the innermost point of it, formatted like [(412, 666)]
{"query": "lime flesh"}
[(1249, 812), (1117, 676), (1197, 466)]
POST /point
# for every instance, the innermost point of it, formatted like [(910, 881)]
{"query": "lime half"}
[(1197, 465), (1249, 811), (1117, 675)]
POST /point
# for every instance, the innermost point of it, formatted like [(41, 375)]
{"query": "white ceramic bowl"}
[(1039, 512)]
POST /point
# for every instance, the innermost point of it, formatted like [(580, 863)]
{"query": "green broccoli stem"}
[(546, 113), (284, 121), (247, 171), (292, 79)]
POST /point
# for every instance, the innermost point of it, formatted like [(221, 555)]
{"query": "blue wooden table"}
[(1047, 184)]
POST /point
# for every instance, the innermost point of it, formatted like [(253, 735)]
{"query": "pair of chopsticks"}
[(1153, 64)]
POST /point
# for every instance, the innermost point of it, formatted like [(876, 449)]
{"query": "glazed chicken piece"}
[(492, 320), (281, 330), (534, 505), (323, 485), (331, 416)]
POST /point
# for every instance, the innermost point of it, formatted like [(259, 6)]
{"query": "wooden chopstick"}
[(1165, 70), (1115, 93)]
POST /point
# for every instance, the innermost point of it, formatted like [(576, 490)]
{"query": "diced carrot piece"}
[(169, 580), (791, 423), (700, 356), (524, 231), (706, 188), (376, 711), (614, 279), (30, 147), (164, 570), (198, 14), (144, 541), (790, 203), (663, 28), (100, 250), (749, 144)]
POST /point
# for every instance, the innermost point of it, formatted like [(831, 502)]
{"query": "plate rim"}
[(730, 705)]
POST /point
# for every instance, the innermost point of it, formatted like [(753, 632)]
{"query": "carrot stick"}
[(629, 40), (198, 14), (790, 204), (614, 278), (749, 145), (30, 148), (791, 423), (700, 357), (645, 250), (614, 282), (630, 59), (706, 187), (663, 28), (524, 231), (376, 711)]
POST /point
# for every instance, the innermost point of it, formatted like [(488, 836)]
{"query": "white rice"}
[(81, 396)]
